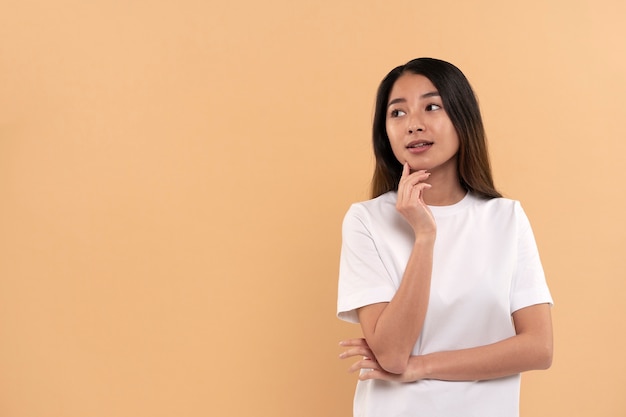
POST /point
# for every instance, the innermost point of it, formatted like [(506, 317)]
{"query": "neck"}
[(434, 198), (446, 189)]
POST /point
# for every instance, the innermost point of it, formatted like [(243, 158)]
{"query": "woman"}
[(441, 272)]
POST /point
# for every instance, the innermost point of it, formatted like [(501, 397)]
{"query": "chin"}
[(415, 167)]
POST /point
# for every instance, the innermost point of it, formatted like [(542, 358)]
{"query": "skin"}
[(416, 114), (530, 349)]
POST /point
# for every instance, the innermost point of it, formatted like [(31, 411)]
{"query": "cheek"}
[(453, 136), (455, 141), (394, 140), (389, 130), (394, 132)]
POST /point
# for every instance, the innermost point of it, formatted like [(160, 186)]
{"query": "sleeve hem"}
[(346, 310), (530, 298)]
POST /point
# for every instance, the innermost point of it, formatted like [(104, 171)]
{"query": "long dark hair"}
[(461, 107)]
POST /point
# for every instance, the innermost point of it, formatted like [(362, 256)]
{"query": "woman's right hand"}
[(369, 368), (411, 204)]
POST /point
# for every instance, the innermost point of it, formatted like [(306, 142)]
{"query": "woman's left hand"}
[(368, 363)]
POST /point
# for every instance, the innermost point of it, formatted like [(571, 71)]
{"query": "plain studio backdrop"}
[(173, 177)]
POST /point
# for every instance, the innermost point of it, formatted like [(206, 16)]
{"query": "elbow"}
[(544, 357), (394, 364), (394, 368), (547, 360)]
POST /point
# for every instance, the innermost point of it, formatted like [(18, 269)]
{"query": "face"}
[(419, 129)]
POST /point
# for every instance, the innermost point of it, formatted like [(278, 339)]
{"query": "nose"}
[(415, 125), (414, 128)]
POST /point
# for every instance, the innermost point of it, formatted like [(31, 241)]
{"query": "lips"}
[(416, 144)]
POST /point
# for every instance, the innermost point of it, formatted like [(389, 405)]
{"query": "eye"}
[(432, 107), (396, 113)]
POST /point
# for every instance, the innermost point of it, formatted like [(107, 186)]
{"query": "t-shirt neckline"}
[(453, 208)]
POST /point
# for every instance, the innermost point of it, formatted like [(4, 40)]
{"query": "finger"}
[(407, 174), (418, 189), (425, 187), (377, 374), (401, 184), (358, 351), (406, 170), (364, 364), (417, 177), (416, 197), (353, 342), (407, 183)]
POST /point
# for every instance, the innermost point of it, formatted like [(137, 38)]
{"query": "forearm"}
[(511, 356), (396, 325), (508, 357), (531, 348)]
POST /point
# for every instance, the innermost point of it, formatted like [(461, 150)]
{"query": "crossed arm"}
[(529, 349)]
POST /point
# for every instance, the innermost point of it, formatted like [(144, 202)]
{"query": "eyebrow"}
[(423, 96)]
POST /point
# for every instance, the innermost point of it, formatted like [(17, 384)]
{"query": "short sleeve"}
[(363, 278), (529, 285)]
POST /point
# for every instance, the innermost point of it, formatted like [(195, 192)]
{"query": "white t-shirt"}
[(485, 267)]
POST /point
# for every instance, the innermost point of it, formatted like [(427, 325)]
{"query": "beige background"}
[(173, 176)]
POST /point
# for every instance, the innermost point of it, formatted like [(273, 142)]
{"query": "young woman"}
[(441, 272)]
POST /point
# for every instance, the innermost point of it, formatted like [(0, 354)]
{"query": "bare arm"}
[(531, 348), (391, 329)]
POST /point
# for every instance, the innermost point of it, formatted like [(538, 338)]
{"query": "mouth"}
[(419, 144)]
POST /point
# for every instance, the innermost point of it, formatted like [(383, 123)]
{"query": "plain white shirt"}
[(485, 267)]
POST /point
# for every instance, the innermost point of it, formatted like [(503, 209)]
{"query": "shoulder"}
[(374, 207), (501, 213), (496, 206), (504, 212), (502, 203), (372, 215)]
